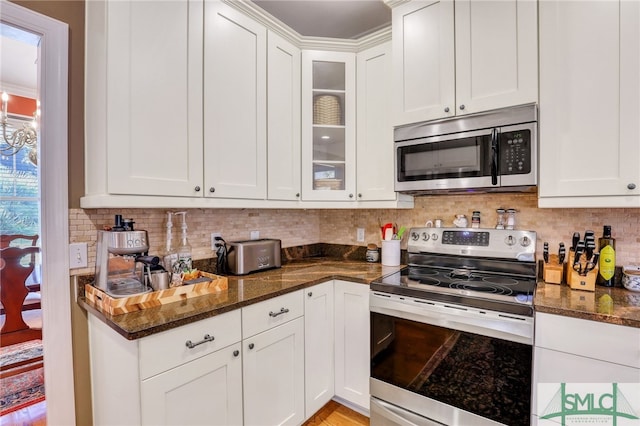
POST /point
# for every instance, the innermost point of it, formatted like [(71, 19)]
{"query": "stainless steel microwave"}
[(485, 152)]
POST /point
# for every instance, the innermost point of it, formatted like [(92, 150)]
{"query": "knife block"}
[(580, 282), (553, 272)]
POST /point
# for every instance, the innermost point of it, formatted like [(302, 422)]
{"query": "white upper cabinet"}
[(589, 104), (144, 90), (328, 125), (491, 64), (235, 101), (283, 119), (423, 61), (375, 171), (496, 54)]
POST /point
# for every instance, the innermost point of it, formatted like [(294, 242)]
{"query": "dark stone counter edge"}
[(82, 302)]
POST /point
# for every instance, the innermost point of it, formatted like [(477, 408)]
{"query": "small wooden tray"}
[(119, 306)]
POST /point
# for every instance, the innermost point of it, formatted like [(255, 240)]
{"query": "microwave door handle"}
[(494, 157)]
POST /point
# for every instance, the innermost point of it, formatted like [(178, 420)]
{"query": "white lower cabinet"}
[(276, 362), (352, 338), (159, 380), (273, 361), (318, 346), (273, 376), (207, 391), (580, 353)]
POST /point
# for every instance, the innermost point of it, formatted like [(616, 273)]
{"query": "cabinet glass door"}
[(328, 125)]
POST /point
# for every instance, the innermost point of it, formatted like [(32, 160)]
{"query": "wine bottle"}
[(607, 261)]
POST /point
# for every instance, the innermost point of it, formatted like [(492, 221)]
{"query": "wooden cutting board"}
[(118, 306)]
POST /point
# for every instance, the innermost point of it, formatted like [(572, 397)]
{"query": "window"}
[(19, 189)]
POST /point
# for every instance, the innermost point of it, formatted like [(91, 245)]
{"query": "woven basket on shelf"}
[(330, 184), (326, 110)]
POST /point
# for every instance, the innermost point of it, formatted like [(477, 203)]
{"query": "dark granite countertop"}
[(243, 291), (622, 308), (611, 305)]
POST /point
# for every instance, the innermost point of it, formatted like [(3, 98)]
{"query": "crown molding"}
[(393, 3), (310, 43)]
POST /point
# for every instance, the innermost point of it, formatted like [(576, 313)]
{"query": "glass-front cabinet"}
[(328, 126)]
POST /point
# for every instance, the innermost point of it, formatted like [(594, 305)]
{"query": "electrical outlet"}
[(213, 239), (78, 255), (360, 235), (255, 235)]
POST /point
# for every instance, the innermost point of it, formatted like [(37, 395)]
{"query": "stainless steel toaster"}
[(249, 256)]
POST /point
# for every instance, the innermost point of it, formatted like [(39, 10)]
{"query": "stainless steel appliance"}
[(122, 261), (249, 256), (490, 151), (452, 333)]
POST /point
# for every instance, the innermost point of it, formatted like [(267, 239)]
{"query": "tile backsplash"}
[(302, 227)]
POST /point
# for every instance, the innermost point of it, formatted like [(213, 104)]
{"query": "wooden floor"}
[(36, 414), (332, 414), (335, 414)]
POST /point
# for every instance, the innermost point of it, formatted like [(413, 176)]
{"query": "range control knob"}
[(510, 240), (425, 236), (525, 241), (415, 236), (434, 236)]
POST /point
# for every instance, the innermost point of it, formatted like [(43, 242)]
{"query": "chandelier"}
[(15, 140)]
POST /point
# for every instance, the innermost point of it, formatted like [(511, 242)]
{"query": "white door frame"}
[(56, 294)]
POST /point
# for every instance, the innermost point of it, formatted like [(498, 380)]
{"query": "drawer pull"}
[(275, 314), (207, 338)]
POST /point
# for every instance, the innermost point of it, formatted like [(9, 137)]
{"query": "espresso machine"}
[(122, 263)]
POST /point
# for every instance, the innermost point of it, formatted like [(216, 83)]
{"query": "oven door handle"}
[(397, 416)]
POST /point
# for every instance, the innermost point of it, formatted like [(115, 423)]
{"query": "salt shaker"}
[(511, 219)]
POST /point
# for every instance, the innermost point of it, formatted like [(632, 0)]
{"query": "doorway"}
[(52, 85)]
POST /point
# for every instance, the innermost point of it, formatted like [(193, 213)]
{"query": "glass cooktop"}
[(503, 293)]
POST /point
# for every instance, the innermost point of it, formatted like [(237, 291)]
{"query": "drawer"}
[(163, 351), (592, 339), (270, 313)]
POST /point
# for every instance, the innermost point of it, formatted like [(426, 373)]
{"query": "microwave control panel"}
[(515, 152)]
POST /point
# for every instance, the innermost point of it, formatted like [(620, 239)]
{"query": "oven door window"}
[(482, 375), (426, 160)]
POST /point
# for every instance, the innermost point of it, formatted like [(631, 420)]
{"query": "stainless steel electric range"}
[(452, 333)]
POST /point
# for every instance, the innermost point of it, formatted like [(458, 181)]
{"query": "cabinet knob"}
[(359, 195), (631, 186), (350, 195), (212, 189), (197, 188), (462, 106), (251, 345), (310, 294), (446, 109), (298, 195), (236, 352)]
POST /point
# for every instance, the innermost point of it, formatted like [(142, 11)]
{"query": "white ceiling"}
[(348, 19), (18, 61)]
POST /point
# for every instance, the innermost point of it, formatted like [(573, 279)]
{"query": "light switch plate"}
[(78, 255), (360, 235), (255, 235)]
